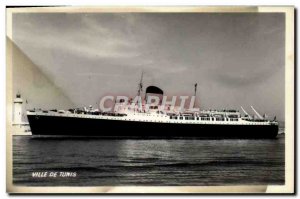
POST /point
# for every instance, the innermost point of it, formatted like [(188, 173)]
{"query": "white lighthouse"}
[(17, 117), (20, 127)]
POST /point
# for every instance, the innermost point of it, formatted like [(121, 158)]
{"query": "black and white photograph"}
[(140, 99)]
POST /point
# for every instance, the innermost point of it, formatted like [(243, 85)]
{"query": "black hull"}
[(115, 129)]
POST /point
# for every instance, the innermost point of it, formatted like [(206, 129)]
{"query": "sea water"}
[(100, 162)]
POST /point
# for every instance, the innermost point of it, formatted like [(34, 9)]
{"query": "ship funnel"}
[(246, 112), (258, 115), (154, 91)]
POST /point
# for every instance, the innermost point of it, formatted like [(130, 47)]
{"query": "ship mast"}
[(195, 94), (140, 90), (140, 85)]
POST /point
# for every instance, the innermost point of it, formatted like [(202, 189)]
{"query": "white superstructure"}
[(215, 117)]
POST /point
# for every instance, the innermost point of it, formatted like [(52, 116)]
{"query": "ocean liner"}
[(132, 120)]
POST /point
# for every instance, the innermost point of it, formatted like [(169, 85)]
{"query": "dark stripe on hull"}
[(68, 126)]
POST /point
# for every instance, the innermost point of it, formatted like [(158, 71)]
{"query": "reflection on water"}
[(100, 162)]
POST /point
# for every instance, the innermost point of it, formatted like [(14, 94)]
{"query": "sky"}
[(237, 59)]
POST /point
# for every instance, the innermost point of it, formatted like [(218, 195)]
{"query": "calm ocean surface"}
[(100, 162)]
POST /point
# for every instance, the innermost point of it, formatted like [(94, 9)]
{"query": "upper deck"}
[(202, 117)]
